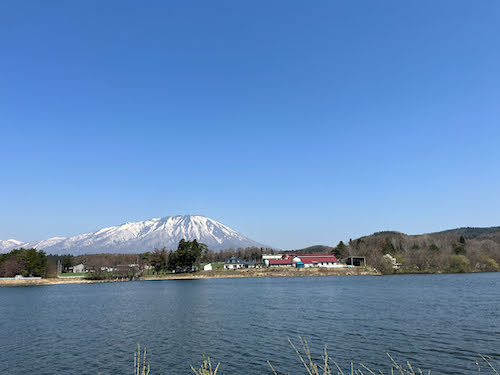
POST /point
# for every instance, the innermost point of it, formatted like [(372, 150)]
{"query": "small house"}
[(207, 267), (79, 268), (235, 263)]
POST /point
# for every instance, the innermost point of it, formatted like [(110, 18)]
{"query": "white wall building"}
[(271, 256), (235, 263), (207, 267), (79, 268)]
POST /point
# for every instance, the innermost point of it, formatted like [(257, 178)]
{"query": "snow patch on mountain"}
[(6, 245), (143, 236)]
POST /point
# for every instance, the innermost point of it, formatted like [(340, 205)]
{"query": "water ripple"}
[(439, 322)]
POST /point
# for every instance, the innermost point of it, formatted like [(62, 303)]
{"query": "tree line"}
[(446, 252), (184, 259), (25, 262), (191, 253)]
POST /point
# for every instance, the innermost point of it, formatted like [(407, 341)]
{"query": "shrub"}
[(490, 265), (458, 264), (434, 247), (385, 266)]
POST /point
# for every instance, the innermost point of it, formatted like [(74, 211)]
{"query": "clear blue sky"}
[(294, 122)]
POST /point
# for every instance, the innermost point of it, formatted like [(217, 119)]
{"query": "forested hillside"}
[(455, 250)]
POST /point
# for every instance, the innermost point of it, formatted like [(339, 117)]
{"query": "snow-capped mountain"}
[(6, 245), (142, 236)]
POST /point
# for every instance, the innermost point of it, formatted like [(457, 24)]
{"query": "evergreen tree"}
[(186, 256), (388, 247), (66, 262), (158, 259), (459, 250), (34, 262), (340, 251)]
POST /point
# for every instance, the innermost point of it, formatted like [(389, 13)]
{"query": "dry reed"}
[(141, 368), (326, 366)]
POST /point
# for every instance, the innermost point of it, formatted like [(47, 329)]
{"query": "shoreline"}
[(227, 274)]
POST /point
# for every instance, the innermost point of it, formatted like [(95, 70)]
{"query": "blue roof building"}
[(235, 263)]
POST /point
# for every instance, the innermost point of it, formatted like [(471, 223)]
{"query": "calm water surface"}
[(438, 322)]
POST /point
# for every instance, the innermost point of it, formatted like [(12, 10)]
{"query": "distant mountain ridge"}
[(467, 232), (472, 232), (6, 245), (142, 236)]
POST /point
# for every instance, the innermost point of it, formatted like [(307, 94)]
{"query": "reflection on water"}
[(439, 322)]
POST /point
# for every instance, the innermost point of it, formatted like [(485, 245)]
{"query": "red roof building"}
[(318, 259), (280, 262), (309, 260)]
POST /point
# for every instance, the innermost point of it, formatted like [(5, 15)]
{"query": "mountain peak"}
[(142, 236)]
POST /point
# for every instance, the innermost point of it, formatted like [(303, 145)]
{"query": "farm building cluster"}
[(291, 260)]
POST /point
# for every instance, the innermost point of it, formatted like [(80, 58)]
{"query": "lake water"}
[(437, 322)]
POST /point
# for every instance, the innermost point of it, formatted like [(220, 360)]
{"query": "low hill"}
[(472, 249), (473, 232)]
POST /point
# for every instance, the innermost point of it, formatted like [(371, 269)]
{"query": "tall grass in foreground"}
[(326, 366), (141, 367)]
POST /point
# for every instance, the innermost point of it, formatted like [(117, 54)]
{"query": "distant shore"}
[(222, 274)]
